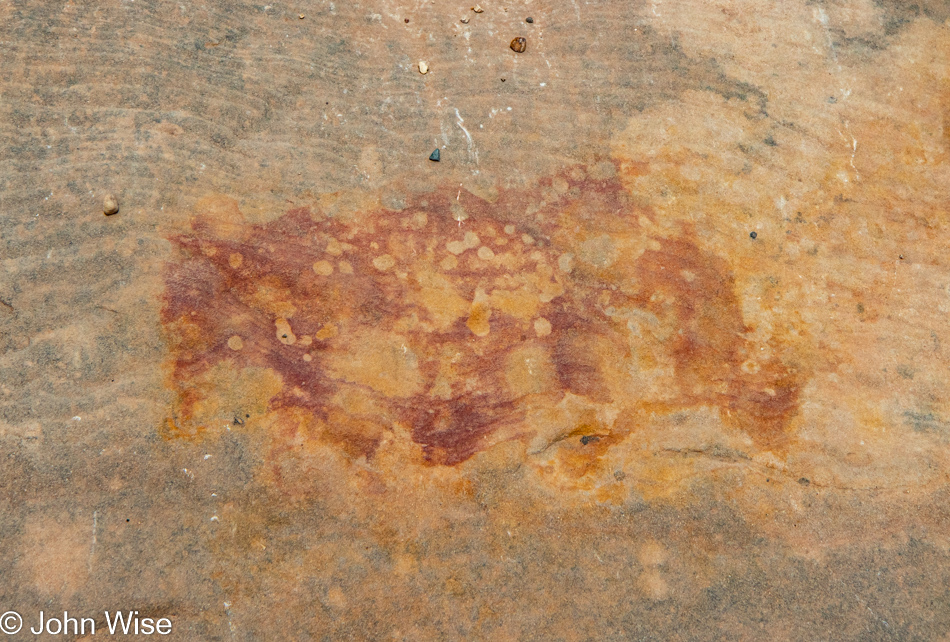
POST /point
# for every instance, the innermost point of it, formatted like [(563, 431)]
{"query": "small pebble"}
[(464, 21), (423, 67), (477, 9), (434, 156), (406, 20), (529, 20), (752, 235), (301, 16), (110, 205), (519, 44)]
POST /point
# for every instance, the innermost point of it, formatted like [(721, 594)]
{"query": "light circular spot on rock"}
[(384, 262), (565, 263), (323, 268), (542, 327), (235, 342), (750, 366)]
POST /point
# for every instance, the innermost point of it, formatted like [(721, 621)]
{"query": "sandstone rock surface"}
[(657, 350)]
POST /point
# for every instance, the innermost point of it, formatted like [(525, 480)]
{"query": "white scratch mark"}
[(95, 531), (471, 144), (227, 611), (854, 146)]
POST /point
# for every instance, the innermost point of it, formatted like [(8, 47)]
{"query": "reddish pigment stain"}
[(453, 317)]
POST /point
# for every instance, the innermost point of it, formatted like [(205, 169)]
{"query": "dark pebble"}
[(753, 235), (804, 481), (529, 20), (519, 44), (435, 156)]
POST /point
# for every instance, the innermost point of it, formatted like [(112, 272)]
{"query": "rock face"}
[(656, 350)]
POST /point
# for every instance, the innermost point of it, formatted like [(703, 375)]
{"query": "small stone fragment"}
[(423, 67), (477, 9), (301, 16), (434, 156), (753, 235), (110, 205), (529, 20), (519, 44), (464, 21)]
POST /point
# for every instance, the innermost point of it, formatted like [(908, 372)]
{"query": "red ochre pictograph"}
[(460, 322)]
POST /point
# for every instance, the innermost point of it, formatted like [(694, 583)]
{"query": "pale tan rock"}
[(110, 205)]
